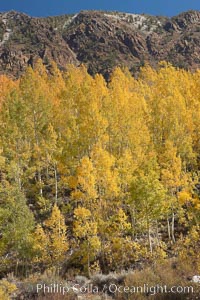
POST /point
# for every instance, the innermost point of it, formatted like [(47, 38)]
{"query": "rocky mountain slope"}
[(101, 40)]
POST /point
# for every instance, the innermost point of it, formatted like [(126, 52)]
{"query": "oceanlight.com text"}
[(64, 288)]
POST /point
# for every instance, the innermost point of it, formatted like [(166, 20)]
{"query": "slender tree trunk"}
[(150, 243), (47, 171), (16, 268), (103, 261), (149, 236), (173, 219), (56, 183), (37, 142), (132, 225), (18, 167), (168, 229), (88, 260), (40, 182), (157, 233)]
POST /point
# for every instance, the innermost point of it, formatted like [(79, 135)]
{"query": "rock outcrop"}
[(101, 40)]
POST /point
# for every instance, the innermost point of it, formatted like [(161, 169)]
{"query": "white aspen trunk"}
[(168, 229), (56, 184), (150, 242), (157, 233), (88, 259), (173, 219), (37, 142), (40, 182)]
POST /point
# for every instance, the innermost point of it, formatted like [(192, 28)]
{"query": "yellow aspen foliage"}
[(126, 166), (84, 182), (6, 289), (40, 69), (148, 199), (83, 224), (184, 197), (171, 167), (148, 75), (196, 203), (85, 230), (120, 249), (169, 118), (126, 112), (56, 81), (82, 107), (123, 252), (56, 232), (106, 172), (119, 223), (120, 158), (40, 246), (6, 86), (189, 247)]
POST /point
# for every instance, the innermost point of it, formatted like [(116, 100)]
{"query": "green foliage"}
[(16, 225)]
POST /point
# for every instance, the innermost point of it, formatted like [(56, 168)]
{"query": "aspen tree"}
[(148, 195), (56, 232), (40, 246), (85, 229)]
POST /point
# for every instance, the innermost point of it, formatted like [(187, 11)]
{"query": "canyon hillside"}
[(101, 40)]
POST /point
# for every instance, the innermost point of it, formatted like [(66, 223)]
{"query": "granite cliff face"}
[(101, 40)]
